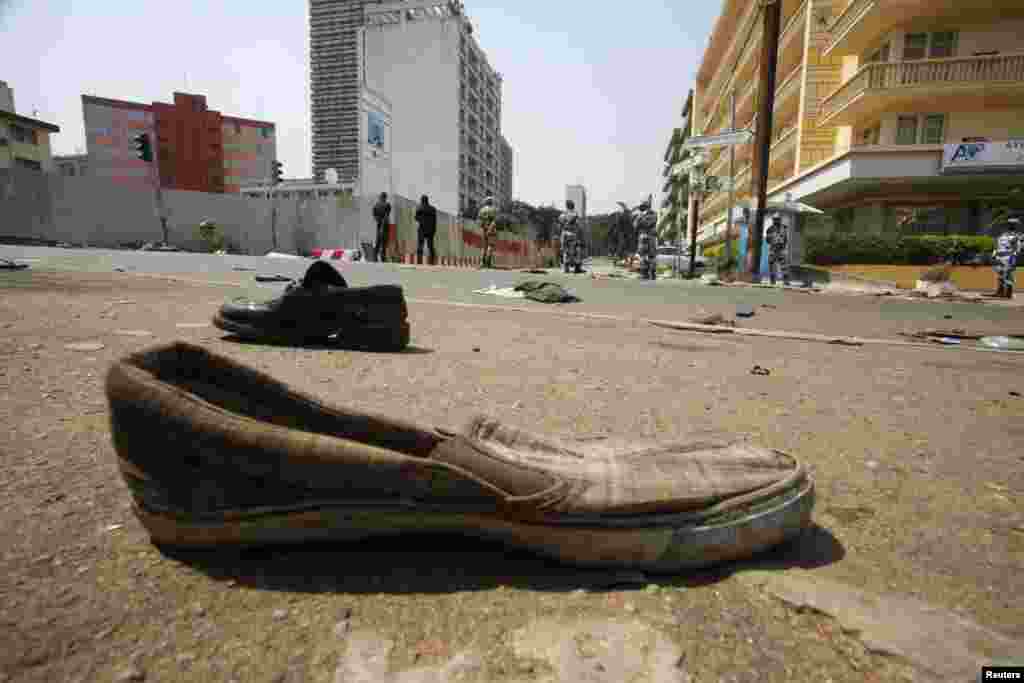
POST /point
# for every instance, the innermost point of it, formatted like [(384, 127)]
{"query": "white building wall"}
[(578, 195), (414, 64)]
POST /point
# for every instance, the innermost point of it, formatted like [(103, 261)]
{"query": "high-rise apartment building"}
[(445, 98), (890, 115), (194, 148), (335, 81), (577, 194), (507, 167)]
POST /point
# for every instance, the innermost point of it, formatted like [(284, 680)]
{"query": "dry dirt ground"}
[(918, 456)]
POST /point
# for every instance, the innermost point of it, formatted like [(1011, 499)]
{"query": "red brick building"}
[(195, 148)]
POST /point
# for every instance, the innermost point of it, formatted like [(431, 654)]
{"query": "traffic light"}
[(275, 172), (142, 148)]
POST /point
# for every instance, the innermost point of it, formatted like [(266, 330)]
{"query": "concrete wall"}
[(98, 212), (415, 65)]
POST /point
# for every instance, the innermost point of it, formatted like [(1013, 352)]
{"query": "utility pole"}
[(732, 182), (144, 152), (763, 144), (275, 180)]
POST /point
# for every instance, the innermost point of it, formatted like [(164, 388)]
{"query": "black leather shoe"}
[(319, 306)]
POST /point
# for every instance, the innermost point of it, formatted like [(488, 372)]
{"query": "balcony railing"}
[(987, 69), (847, 19), (725, 77)]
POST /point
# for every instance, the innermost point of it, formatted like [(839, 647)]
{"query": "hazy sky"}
[(591, 90)]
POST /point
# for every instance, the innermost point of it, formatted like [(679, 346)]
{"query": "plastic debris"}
[(1003, 343)]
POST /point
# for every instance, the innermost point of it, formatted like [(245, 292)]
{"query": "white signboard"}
[(965, 157), (727, 139)]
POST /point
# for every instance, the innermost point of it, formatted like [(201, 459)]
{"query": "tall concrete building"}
[(507, 167), (444, 98), (890, 115), (335, 80), (194, 148), (577, 194)]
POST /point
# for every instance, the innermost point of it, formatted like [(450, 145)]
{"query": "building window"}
[(915, 46), (933, 130), (24, 135), (929, 129), (943, 45), (937, 45), (265, 131), (906, 130), (238, 128)]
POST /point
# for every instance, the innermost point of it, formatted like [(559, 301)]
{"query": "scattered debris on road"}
[(546, 292), (7, 264), (1003, 343), (758, 370), (85, 346), (712, 319), (506, 292)]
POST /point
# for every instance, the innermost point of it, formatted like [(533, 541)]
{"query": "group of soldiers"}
[(1008, 248)]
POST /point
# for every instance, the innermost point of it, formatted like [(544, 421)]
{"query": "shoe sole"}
[(382, 337), (659, 545)]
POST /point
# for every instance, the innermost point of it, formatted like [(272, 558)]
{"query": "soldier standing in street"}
[(382, 214), (778, 243), (488, 216), (426, 218), (1004, 259), (645, 222), (572, 244)]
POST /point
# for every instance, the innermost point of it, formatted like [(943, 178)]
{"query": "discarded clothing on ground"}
[(537, 290), (507, 292), (546, 292)]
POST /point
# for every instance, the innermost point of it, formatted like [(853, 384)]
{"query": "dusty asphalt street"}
[(913, 570)]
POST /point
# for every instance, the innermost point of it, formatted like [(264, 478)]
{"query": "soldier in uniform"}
[(572, 244), (488, 216), (1004, 259), (645, 221), (778, 243)]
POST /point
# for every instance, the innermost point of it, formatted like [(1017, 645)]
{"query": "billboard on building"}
[(375, 130), (966, 157)]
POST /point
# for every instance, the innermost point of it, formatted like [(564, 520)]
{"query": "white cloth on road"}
[(507, 292)]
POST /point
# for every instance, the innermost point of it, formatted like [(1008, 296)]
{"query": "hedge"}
[(880, 249)]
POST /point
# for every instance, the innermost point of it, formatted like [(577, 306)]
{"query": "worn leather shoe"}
[(319, 306), (243, 459)]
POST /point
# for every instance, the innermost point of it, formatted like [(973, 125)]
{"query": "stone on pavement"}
[(932, 639), (600, 651), (366, 655)]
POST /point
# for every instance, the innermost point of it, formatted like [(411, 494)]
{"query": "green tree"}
[(211, 236)]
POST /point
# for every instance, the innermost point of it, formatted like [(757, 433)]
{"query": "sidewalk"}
[(916, 454)]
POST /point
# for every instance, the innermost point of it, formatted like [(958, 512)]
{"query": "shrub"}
[(878, 249), (211, 236)]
